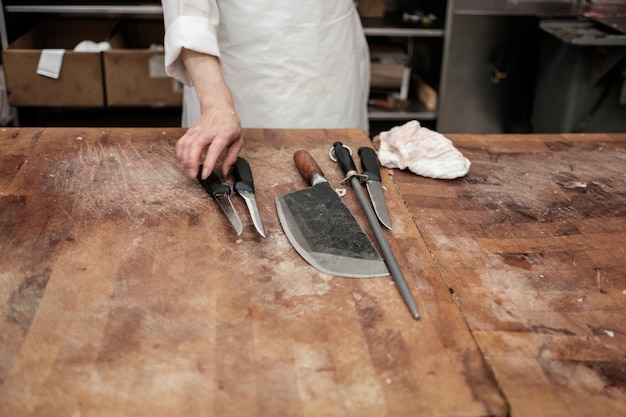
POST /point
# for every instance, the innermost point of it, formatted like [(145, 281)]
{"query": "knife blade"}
[(371, 168), (221, 193), (244, 186)]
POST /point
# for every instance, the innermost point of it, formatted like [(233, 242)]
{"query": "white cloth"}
[(91, 46), (287, 63)]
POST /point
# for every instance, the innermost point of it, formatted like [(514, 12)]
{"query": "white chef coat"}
[(287, 63)]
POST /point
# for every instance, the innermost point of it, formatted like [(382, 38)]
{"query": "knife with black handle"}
[(244, 186), (371, 168), (221, 193)]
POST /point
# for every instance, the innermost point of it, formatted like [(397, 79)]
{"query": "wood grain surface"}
[(532, 243), (125, 291)]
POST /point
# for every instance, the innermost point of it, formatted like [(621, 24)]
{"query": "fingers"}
[(219, 132), (213, 154), (188, 152), (231, 156), (221, 151)]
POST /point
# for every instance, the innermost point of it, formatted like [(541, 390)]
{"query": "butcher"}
[(262, 64)]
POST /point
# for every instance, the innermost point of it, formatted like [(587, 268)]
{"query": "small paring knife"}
[(371, 168), (221, 193), (244, 186)]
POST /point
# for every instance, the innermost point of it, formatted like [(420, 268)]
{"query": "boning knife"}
[(245, 188), (221, 193)]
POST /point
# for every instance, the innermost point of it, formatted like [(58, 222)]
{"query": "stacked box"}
[(134, 68), (80, 80)]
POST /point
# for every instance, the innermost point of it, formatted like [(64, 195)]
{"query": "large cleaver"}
[(322, 229)]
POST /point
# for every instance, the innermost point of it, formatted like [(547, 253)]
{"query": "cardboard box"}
[(371, 8), (390, 69), (390, 76), (80, 81), (134, 68)]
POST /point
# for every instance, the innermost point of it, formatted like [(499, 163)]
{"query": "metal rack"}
[(377, 28), (141, 9), (112, 10)]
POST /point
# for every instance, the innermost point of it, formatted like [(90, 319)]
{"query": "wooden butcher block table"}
[(532, 244), (125, 291)]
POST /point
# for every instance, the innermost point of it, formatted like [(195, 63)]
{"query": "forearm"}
[(218, 130), (206, 74)]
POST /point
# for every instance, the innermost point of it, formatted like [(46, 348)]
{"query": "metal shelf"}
[(378, 27), (148, 9), (382, 115), (513, 8), (403, 32), (372, 27), (379, 114)]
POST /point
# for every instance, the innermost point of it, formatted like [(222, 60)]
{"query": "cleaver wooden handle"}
[(307, 166)]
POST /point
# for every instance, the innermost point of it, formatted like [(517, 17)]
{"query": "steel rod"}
[(388, 256)]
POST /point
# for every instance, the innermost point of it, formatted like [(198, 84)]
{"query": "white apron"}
[(287, 63)]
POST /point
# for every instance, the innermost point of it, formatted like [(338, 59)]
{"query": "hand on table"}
[(218, 131)]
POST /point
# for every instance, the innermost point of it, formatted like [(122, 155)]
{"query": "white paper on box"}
[(157, 66), (50, 63)]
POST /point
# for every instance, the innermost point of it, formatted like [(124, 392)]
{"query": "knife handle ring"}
[(333, 156)]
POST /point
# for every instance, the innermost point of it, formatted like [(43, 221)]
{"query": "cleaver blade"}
[(322, 229)]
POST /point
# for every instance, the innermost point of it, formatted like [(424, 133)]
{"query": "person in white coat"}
[(263, 64)]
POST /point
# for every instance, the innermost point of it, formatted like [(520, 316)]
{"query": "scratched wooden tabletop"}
[(124, 291), (532, 245)]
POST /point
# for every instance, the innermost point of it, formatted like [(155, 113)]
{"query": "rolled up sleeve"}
[(189, 24)]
